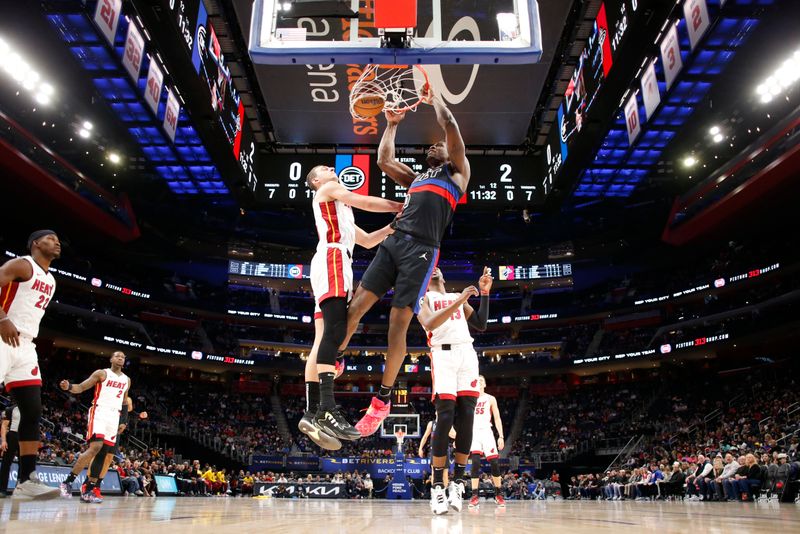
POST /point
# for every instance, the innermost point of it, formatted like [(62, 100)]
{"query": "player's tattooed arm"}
[(431, 320), (456, 150), (95, 378), (387, 162)]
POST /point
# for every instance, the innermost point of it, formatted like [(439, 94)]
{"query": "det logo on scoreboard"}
[(295, 271), (353, 172), (506, 272)]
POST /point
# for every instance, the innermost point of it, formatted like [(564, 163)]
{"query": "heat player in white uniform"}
[(484, 444), (332, 284), (26, 288), (111, 388), (446, 317)]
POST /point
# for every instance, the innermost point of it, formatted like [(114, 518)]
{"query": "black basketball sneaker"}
[(335, 424), (308, 426)]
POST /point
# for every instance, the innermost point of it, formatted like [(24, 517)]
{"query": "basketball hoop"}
[(392, 87)]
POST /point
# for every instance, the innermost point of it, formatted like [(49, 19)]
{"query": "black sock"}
[(327, 402), (312, 396), (70, 479), (99, 482), (438, 477), (497, 491), (385, 393), (89, 485), (27, 465), (476, 491), (458, 472)]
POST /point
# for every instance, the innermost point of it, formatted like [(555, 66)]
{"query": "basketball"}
[(368, 105)]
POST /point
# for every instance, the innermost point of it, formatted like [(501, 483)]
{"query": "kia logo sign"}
[(352, 177), (666, 348)]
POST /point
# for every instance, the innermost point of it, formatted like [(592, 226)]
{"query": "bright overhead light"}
[(83, 132), (287, 6), (113, 157), (718, 138), (714, 130), (87, 125), (689, 161), (766, 97), (42, 98)]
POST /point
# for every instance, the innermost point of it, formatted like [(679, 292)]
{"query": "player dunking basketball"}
[(446, 317), (332, 284), (110, 392), (407, 258), (27, 288), (483, 443)]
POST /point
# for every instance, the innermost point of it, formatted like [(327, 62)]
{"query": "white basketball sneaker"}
[(34, 489), (455, 492), (438, 500)]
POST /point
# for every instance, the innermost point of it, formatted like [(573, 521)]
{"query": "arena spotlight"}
[(714, 130), (781, 79), (83, 132), (87, 125), (718, 138), (689, 161), (114, 158)]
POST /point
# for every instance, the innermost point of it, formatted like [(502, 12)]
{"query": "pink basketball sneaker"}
[(376, 413)]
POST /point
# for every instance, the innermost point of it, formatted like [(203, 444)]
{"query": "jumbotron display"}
[(496, 181), (268, 270)]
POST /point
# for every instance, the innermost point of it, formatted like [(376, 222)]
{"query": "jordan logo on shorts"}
[(424, 256)]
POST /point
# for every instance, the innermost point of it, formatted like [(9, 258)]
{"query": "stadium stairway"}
[(516, 425), (280, 418)]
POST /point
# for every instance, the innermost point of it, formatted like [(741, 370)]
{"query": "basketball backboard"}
[(409, 423), (502, 32)]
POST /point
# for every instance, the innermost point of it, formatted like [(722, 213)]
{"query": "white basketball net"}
[(394, 84), (400, 436)]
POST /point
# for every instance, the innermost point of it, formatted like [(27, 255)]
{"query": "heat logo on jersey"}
[(353, 172)]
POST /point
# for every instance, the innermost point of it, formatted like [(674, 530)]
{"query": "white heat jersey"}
[(25, 302), (454, 330), (483, 412), (110, 393), (335, 224)]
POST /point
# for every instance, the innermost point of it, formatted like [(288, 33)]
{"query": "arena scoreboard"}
[(496, 182), (268, 270), (534, 272)]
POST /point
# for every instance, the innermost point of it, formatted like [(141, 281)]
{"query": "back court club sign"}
[(493, 103)]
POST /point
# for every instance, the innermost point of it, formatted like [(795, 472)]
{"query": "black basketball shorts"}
[(402, 263)]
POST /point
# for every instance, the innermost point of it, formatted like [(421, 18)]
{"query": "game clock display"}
[(496, 182)]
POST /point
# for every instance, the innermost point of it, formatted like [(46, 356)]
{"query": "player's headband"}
[(38, 234)]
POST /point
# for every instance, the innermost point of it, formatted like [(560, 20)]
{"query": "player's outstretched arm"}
[(455, 143), (399, 172), (479, 320), (94, 379), (431, 320), (372, 239), (337, 191), (498, 424)]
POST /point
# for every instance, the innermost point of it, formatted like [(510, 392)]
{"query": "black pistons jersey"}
[(429, 206)]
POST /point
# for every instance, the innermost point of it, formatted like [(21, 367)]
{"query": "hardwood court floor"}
[(243, 515)]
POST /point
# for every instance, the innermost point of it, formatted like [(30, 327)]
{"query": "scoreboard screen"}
[(496, 182), (268, 270), (534, 272)]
